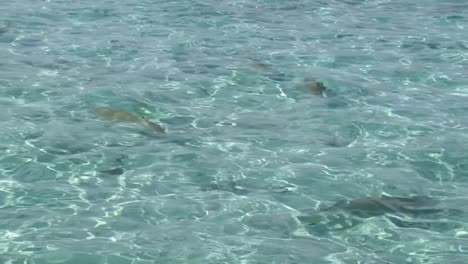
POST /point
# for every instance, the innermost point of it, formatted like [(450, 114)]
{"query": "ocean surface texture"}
[(254, 167)]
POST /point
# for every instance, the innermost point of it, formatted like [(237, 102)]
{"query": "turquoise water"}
[(248, 159)]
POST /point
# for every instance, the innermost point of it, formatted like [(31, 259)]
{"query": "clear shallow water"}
[(248, 158)]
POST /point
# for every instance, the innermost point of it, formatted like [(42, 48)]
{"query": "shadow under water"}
[(404, 212)]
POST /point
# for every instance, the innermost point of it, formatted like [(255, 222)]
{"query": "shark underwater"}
[(5, 28), (309, 85), (120, 116), (421, 212), (312, 86), (153, 130)]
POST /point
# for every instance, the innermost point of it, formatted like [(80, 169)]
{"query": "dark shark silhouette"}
[(404, 212), (120, 116)]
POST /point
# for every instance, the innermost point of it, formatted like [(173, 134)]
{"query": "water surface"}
[(246, 154)]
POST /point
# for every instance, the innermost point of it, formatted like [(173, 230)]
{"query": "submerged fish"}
[(404, 212), (115, 171), (5, 28), (260, 66), (375, 206), (109, 113), (313, 87), (270, 72)]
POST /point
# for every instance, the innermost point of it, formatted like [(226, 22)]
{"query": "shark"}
[(421, 212), (120, 116), (312, 86)]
